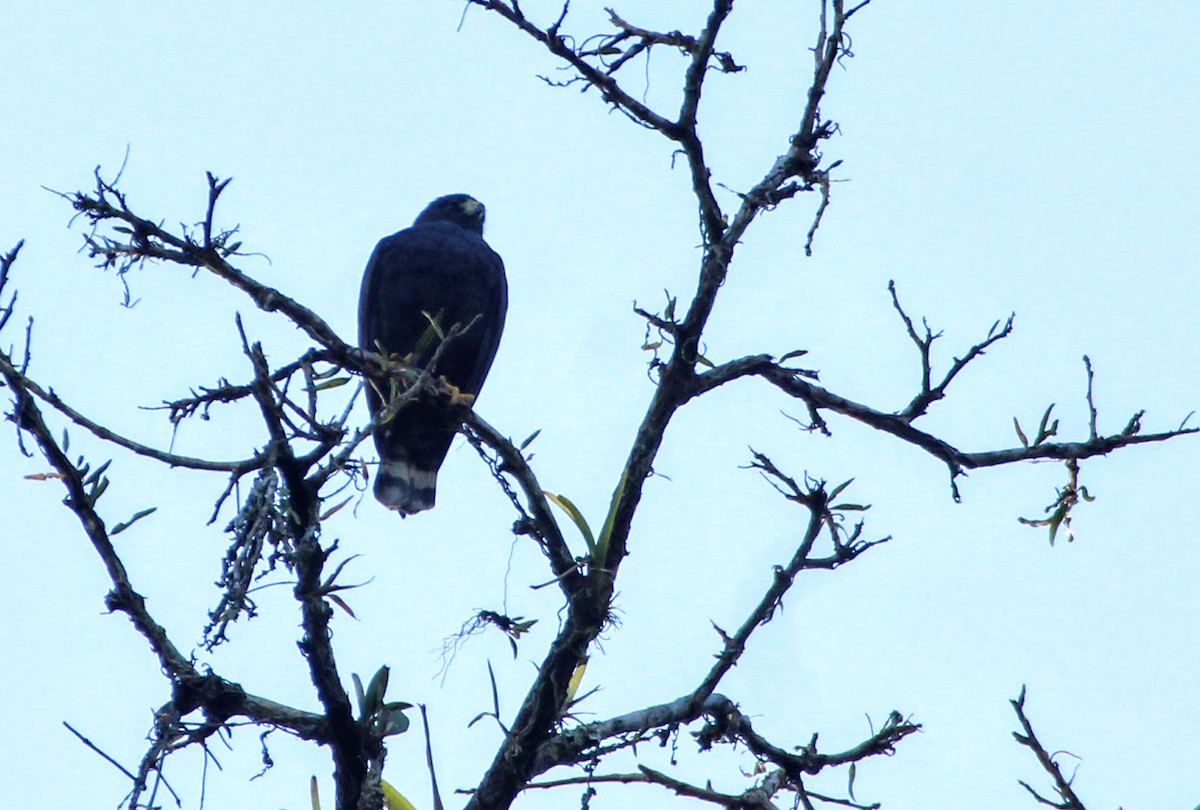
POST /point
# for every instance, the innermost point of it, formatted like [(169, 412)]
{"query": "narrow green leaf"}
[(394, 799), (606, 530), (850, 507), (1043, 434), (793, 353), (325, 375), (576, 679), (1055, 520), (435, 322), (432, 332), (97, 491), (120, 527), (529, 441), (359, 694), (95, 476), (336, 382), (1020, 433), (839, 488), (564, 503), (495, 691), (519, 628)]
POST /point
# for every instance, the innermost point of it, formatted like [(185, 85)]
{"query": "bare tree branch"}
[(239, 467), (900, 427), (1062, 785), (132, 239)]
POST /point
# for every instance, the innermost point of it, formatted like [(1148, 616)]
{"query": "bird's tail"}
[(404, 488)]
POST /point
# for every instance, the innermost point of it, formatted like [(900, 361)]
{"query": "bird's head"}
[(462, 209)]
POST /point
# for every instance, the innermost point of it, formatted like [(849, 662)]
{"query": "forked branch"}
[(1067, 800)]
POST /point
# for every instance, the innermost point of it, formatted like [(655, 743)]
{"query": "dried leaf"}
[(332, 510), (340, 602), (46, 476)]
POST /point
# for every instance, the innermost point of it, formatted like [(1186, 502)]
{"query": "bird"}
[(420, 283)]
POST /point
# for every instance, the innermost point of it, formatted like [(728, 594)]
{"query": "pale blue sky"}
[(1021, 156)]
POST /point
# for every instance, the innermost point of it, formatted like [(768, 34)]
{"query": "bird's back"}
[(433, 271)]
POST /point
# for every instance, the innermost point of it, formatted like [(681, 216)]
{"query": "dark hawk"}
[(421, 281)]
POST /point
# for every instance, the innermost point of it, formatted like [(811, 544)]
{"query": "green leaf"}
[(95, 476), (839, 488), (97, 491), (576, 679), (396, 723), (435, 323), (793, 353), (1043, 433), (1055, 520), (519, 628), (359, 694), (850, 507), (606, 530), (377, 689), (432, 332), (336, 382), (564, 503), (394, 799), (325, 375), (1020, 433), (120, 527), (850, 787), (669, 312), (529, 441)]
